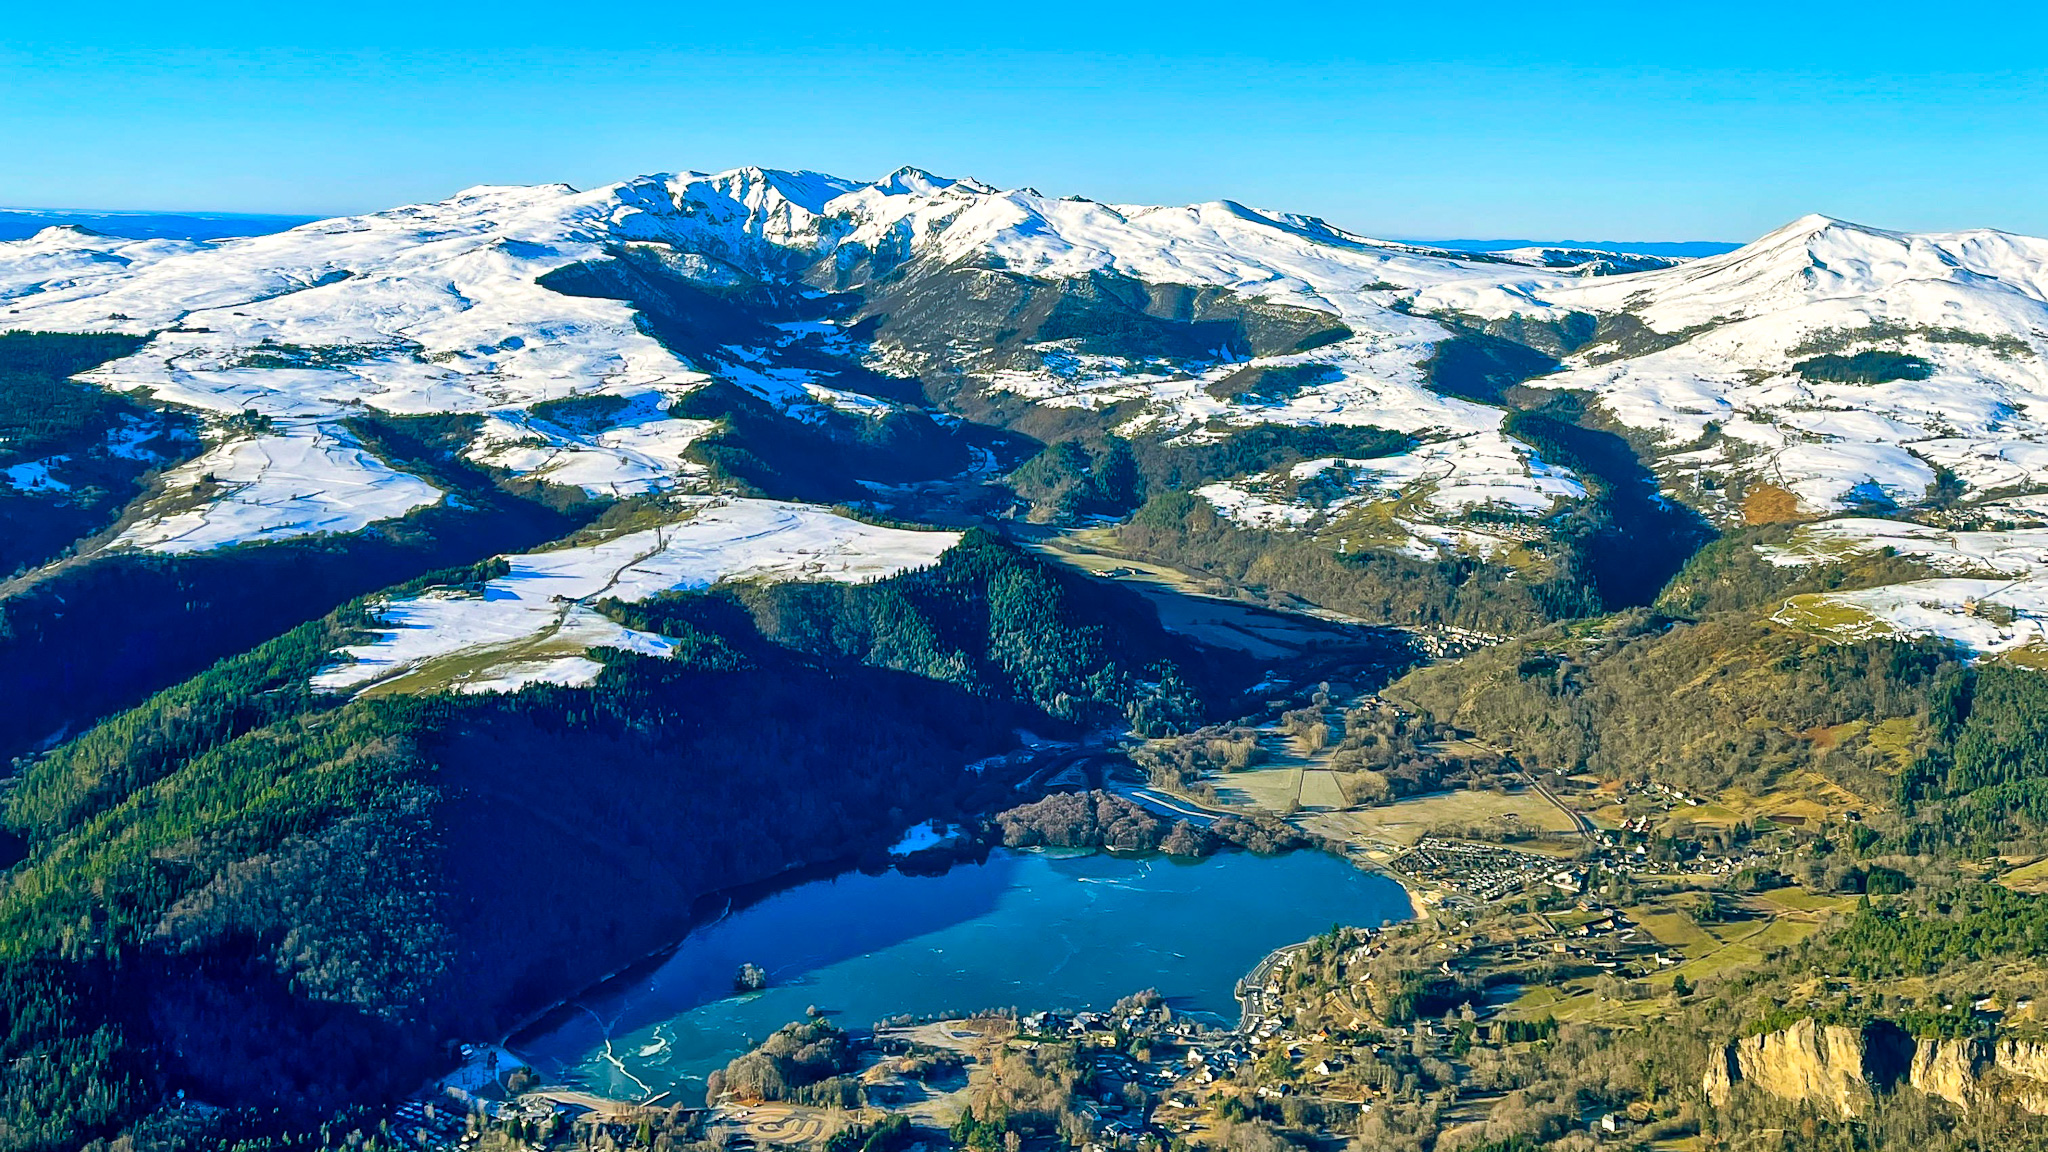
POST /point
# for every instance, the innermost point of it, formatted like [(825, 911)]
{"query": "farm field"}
[(1801, 799), (1198, 608), (1404, 822)]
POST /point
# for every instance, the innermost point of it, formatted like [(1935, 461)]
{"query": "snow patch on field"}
[(1248, 503), (1433, 484), (922, 837), (306, 478), (1375, 379), (1986, 617), (1996, 601), (35, 476), (639, 450), (1840, 475), (535, 624), (1481, 470), (2019, 552)]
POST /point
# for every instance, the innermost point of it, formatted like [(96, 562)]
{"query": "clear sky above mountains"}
[(1585, 121)]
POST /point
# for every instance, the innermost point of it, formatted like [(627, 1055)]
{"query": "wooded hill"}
[(279, 899), (1703, 692)]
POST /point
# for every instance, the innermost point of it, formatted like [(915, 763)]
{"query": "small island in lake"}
[(750, 978)]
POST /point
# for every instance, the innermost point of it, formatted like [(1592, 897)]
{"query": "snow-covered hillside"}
[(1708, 355), (1991, 599), (425, 309), (534, 624), (315, 479), (1753, 369), (1439, 480), (442, 308)]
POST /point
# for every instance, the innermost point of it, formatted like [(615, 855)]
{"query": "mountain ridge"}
[(1826, 367)]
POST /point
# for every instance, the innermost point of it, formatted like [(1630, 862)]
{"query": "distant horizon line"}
[(284, 220), (196, 214)]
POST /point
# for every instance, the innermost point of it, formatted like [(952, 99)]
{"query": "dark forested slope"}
[(274, 898), (82, 452), (86, 638)]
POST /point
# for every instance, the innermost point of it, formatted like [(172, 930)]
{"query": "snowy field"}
[(1376, 379), (1993, 600), (304, 478), (640, 451), (1432, 486), (2020, 552), (535, 624), (1986, 617), (34, 475)]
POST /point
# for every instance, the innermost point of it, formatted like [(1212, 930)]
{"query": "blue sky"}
[(1583, 121)]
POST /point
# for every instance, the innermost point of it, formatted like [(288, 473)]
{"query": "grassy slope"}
[(1703, 692)]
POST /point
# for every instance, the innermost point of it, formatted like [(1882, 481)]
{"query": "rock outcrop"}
[(1830, 1064), (1841, 1067), (1950, 1069), (1969, 1072)]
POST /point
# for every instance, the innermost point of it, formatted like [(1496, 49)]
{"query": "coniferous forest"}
[(317, 895)]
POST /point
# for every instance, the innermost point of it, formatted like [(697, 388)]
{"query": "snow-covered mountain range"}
[(443, 308), (1826, 367)]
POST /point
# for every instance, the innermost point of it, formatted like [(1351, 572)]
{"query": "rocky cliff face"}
[(1967, 1073), (1950, 1069), (1827, 1064), (1842, 1067)]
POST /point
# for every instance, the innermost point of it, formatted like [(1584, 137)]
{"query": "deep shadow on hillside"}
[(103, 633), (1639, 539), (1631, 540), (275, 899)]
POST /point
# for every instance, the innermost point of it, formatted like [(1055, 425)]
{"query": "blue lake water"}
[(1028, 930)]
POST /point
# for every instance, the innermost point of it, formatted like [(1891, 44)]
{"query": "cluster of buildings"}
[(425, 1124), (1103, 1027), (1606, 940), (1483, 872), (1445, 642)]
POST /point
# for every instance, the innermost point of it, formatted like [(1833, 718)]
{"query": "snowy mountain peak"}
[(913, 181), (1804, 228), (1841, 257), (1896, 278), (68, 233), (768, 188), (477, 194), (1835, 362)]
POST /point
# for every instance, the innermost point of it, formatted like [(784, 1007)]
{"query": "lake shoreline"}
[(1080, 931)]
